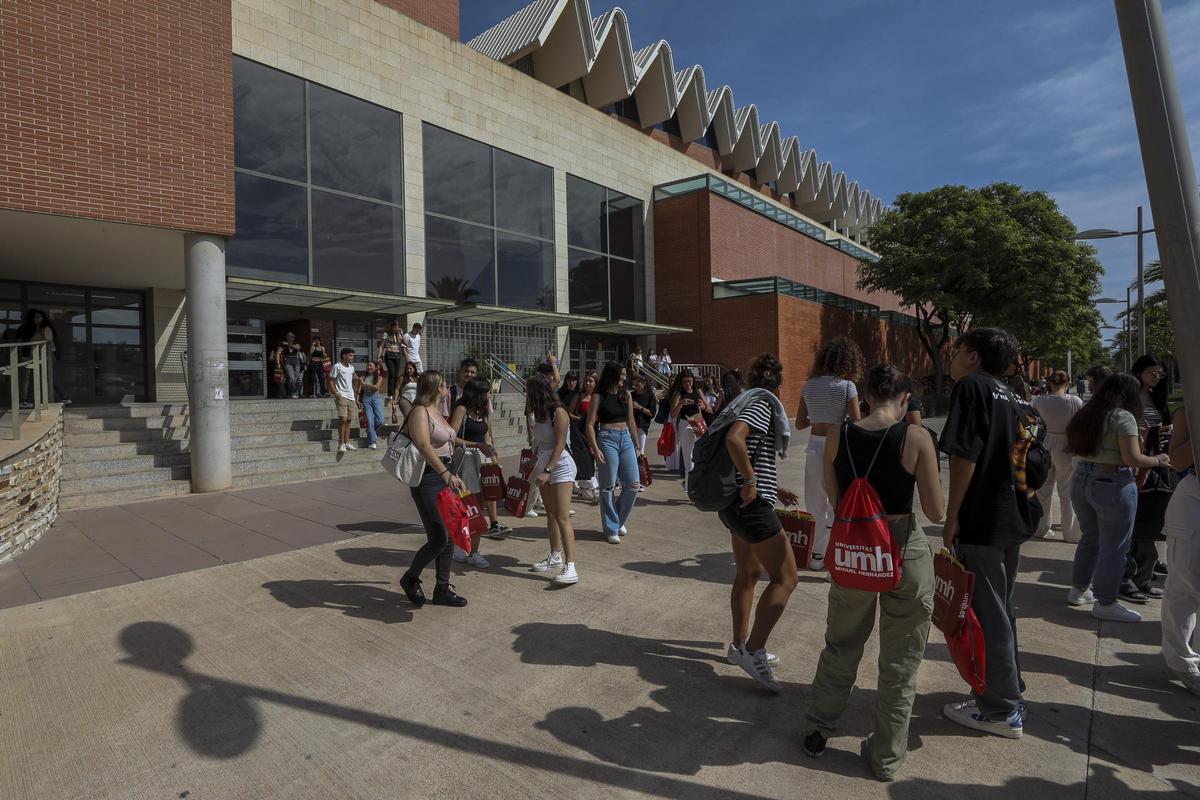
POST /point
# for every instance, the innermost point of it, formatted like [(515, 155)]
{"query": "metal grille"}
[(450, 341)]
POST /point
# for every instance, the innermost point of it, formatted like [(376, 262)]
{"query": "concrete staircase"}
[(120, 453)]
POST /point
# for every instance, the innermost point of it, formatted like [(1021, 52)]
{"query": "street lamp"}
[(1140, 233)]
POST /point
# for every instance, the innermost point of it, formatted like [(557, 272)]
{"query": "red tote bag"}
[(491, 478), (799, 527), (477, 521), (527, 463), (953, 588), (666, 441), (453, 512), (967, 649), (644, 476), (516, 496)]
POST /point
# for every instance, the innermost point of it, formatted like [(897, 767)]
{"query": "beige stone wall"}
[(29, 489), (168, 331)]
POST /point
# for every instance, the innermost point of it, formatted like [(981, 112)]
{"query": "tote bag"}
[(402, 460)]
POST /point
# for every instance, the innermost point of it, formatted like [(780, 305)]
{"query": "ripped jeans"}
[(620, 463)]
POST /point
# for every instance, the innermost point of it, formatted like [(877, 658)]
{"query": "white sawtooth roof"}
[(566, 43)]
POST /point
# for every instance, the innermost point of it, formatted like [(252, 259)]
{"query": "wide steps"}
[(122, 466), (113, 497)]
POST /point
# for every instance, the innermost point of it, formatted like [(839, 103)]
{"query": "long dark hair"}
[(474, 397), (1158, 395), (610, 378), (731, 384), (765, 373), (540, 400), (415, 374), (1086, 428), (677, 386), (29, 327)]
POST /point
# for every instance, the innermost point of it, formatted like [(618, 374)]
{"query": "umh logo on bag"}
[(864, 553)]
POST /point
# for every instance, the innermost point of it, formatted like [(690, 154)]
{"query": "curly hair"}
[(840, 357), (765, 373)]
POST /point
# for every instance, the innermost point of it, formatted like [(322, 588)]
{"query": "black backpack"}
[(712, 483)]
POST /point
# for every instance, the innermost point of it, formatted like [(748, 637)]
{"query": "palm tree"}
[(450, 288)]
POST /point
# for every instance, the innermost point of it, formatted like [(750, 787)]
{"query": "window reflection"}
[(459, 261), (356, 244), (355, 145), (524, 196), (585, 214), (607, 223), (268, 110), (458, 175), (587, 283), (526, 267), (272, 230)]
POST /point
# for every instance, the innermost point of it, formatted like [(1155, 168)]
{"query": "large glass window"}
[(606, 247), (489, 224), (319, 185)]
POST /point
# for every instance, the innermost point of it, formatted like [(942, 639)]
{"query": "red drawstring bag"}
[(666, 440), (967, 649), (491, 478), (455, 517), (862, 552)]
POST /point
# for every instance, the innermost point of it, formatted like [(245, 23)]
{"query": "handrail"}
[(38, 366), (505, 372), (187, 375), (700, 370), (653, 376)]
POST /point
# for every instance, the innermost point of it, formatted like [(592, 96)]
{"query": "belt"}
[(1094, 466)]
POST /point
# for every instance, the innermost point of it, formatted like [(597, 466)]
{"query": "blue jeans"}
[(373, 405), (1105, 503), (620, 461)]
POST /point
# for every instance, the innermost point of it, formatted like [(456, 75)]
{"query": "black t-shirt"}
[(982, 427), (645, 400)]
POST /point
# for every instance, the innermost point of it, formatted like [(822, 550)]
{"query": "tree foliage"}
[(996, 255)]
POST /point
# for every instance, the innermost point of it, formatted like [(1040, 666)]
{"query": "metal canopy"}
[(624, 327), (300, 296), (474, 312)]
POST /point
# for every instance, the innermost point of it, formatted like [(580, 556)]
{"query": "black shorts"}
[(755, 523)]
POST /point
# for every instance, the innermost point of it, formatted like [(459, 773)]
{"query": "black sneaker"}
[(445, 596), (1153, 592), (1134, 595), (412, 590), (1160, 568), (814, 745), (498, 531)]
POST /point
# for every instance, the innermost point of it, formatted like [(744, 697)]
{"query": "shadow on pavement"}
[(1102, 783), (219, 719), (376, 556), (362, 599), (378, 526)]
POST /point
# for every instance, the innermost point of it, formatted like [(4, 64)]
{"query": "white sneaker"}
[(755, 665), (1078, 598), (460, 555), (532, 512), (614, 538), (772, 659), (570, 512), (1115, 612), (1190, 681), (624, 531), (555, 559), (351, 446), (478, 561), (968, 716), (568, 575), (341, 448), (372, 446), (1022, 709)]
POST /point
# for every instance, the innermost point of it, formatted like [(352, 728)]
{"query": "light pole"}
[(1107, 327), (1140, 233)]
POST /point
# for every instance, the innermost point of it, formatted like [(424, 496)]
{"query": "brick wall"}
[(441, 15), (29, 490), (119, 110)]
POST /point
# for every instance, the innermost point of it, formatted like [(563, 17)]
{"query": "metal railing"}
[(28, 369), (656, 379), (699, 370), (504, 373)]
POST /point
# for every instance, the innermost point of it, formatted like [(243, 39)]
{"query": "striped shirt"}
[(826, 398), (760, 444)]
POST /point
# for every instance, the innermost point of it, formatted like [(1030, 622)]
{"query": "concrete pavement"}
[(305, 674)]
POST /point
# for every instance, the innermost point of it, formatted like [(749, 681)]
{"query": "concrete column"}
[(208, 353)]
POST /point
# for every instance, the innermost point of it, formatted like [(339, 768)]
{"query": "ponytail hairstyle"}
[(886, 382), (765, 373), (1086, 429), (1059, 378)]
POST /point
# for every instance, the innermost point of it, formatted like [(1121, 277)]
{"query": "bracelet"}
[(751, 481)]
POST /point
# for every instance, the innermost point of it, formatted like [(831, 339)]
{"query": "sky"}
[(907, 96)]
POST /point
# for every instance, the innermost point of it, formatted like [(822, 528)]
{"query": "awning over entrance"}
[(623, 327), (317, 298), (474, 312)]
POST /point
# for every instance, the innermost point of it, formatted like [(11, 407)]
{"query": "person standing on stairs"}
[(344, 385)]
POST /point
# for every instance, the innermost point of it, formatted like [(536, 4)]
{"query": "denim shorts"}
[(755, 523)]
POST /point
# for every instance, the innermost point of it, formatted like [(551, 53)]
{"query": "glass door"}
[(357, 336), (247, 358)]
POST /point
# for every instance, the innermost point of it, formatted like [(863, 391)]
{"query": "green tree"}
[(995, 255)]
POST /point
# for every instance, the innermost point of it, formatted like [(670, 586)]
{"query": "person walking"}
[(38, 328), (1181, 596), (344, 384), (554, 474), (587, 484), (829, 397), (987, 519), (644, 404), (1103, 437), (687, 415), (472, 422), (293, 370), (434, 438), (758, 432), (1057, 408), (1154, 428), (664, 362), (410, 343), (371, 400), (611, 411), (895, 457), (406, 389), (391, 353), (317, 359)]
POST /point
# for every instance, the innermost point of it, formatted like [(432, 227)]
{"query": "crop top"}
[(613, 408), (891, 480)]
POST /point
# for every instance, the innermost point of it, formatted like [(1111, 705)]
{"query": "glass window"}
[(355, 145), (625, 236), (356, 244), (585, 214), (458, 175), (628, 289), (524, 195), (587, 276), (268, 112), (526, 268), (459, 261), (116, 316), (272, 230)]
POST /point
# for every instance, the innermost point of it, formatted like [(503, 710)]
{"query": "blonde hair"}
[(429, 387)]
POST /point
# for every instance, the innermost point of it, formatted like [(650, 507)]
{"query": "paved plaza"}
[(300, 671)]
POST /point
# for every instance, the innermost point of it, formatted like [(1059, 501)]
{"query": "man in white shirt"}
[(344, 384), (411, 342)]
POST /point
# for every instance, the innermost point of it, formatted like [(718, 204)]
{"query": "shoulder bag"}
[(402, 460)]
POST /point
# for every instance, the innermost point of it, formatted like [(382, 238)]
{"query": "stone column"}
[(208, 354)]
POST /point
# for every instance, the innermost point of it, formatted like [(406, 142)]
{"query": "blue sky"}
[(908, 96)]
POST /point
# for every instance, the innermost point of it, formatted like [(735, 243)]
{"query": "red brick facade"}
[(441, 15), (119, 110), (701, 236)]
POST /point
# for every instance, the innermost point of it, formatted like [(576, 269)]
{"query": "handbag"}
[(953, 588), (527, 463), (799, 527), (1152, 500), (362, 419), (516, 496), (277, 375), (666, 441), (644, 476), (395, 415), (491, 478), (402, 460), (455, 517), (477, 522), (698, 425), (466, 463)]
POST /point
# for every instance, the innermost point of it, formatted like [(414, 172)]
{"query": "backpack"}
[(712, 483), (1030, 457), (862, 552)]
